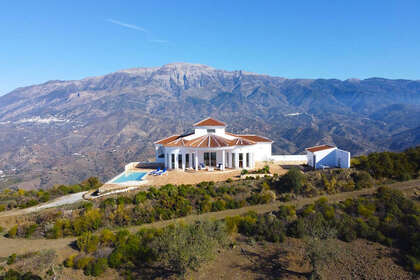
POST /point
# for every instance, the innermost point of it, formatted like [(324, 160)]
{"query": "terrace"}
[(178, 177)]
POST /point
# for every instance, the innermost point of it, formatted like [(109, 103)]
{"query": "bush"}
[(140, 197), (362, 180), (11, 259), (96, 268), (69, 262), (185, 247), (82, 262), (292, 181), (30, 230), (414, 264), (115, 259), (107, 237), (87, 242), (12, 232)]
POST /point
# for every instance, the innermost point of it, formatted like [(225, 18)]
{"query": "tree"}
[(320, 243), (185, 247), (292, 181)]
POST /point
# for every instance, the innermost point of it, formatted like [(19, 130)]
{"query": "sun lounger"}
[(160, 173), (154, 171), (202, 166)]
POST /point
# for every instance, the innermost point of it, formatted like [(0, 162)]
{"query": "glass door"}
[(241, 160), (234, 160), (227, 160), (213, 159), (207, 159)]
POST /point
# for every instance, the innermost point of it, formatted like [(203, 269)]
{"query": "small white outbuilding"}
[(326, 156)]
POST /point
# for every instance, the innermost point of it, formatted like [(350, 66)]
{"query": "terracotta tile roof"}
[(255, 138), (167, 140), (180, 142), (240, 141), (252, 137), (319, 148), (206, 141), (210, 141), (209, 122)]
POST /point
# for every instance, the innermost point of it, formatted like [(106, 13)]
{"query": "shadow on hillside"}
[(147, 272), (271, 266)]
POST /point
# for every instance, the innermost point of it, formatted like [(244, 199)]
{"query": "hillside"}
[(65, 131)]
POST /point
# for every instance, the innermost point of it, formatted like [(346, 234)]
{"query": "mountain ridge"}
[(131, 108)]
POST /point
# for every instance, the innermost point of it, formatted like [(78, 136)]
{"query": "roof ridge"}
[(213, 122)]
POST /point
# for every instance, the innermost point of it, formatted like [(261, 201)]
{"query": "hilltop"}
[(65, 131)]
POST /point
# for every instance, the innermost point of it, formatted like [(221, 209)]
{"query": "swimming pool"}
[(129, 177)]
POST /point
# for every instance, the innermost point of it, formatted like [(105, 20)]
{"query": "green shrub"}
[(81, 262), (107, 237), (292, 181), (362, 180), (69, 262), (414, 263), (30, 230), (87, 242), (140, 197), (185, 247), (115, 259), (11, 259), (96, 267), (12, 232)]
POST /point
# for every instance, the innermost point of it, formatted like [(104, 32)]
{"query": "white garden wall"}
[(290, 158)]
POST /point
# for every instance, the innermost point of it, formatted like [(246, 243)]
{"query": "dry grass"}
[(359, 259)]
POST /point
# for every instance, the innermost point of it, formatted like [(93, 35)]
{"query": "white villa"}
[(210, 146)]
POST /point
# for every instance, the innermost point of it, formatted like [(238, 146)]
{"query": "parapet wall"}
[(303, 159)]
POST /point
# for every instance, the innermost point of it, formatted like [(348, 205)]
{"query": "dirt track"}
[(21, 246)]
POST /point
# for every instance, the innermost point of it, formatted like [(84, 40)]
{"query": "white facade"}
[(210, 146), (325, 157)]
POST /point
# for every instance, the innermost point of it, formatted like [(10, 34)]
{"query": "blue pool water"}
[(127, 177)]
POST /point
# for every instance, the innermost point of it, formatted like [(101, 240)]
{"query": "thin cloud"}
[(127, 25), (159, 41)]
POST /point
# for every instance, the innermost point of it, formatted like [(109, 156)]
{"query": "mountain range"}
[(65, 131)]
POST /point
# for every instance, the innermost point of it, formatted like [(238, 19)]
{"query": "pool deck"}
[(178, 177)]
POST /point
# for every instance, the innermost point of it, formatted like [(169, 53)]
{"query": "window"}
[(206, 159), (173, 160), (210, 159), (211, 130), (213, 159), (187, 160), (179, 161), (247, 160), (227, 160), (241, 160), (234, 160)]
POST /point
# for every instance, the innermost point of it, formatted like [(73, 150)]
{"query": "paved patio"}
[(178, 177)]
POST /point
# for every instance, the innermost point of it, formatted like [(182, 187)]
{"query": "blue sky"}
[(49, 40)]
